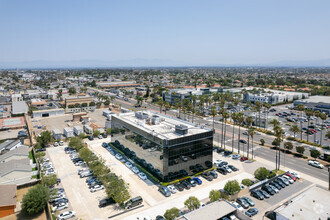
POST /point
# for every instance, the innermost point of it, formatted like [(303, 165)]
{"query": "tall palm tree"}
[(225, 117), (161, 104), (317, 113), (251, 133), (295, 129), (279, 138), (258, 107), (267, 106), (308, 113), (301, 108), (213, 113), (234, 118), (323, 117), (249, 121), (222, 110), (240, 119)]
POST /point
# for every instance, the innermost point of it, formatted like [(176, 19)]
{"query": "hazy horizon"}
[(173, 33)]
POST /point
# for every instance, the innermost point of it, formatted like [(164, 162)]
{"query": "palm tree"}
[(295, 129), (308, 113), (251, 133), (161, 104), (225, 116), (301, 108), (317, 113), (267, 106), (258, 106), (234, 118), (323, 117), (222, 110), (279, 138), (213, 113), (249, 121), (240, 119)]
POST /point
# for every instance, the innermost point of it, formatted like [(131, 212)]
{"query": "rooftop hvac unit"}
[(155, 120), (181, 129)]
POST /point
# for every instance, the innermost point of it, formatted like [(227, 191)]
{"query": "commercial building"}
[(47, 113), (16, 171), (38, 103), (78, 100), (321, 103), (16, 98), (57, 135), (15, 154), (118, 84), (176, 95), (18, 108), (12, 123), (9, 145), (7, 200), (168, 147)]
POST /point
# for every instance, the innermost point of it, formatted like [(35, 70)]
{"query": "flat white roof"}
[(165, 129)]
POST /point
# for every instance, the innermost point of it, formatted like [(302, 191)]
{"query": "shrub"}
[(262, 142), (261, 173), (246, 182), (271, 175), (214, 195), (232, 187), (35, 200), (172, 213), (192, 203)]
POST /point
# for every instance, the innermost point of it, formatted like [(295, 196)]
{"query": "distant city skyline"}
[(172, 33)]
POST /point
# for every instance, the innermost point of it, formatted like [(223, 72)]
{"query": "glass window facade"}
[(166, 159)]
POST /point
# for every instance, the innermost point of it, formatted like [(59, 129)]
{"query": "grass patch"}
[(35, 177), (34, 169), (31, 156), (279, 172)]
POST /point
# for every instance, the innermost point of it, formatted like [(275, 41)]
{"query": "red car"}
[(243, 159), (291, 176)]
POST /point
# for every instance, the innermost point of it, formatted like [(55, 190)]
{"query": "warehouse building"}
[(167, 147), (47, 113)]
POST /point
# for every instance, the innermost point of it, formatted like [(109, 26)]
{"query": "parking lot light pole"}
[(329, 177)]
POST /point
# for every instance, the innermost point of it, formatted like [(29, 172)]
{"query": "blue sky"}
[(185, 32)]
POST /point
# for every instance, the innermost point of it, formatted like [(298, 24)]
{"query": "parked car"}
[(106, 202), (61, 143), (142, 176), (172, 189), (192, 182), (291, 176), (58, 201), (268, 189), (251, 212), (135, 170), (243, 159), (248, 200), (315, 163), (213, 174), (238, 206), (222, 170), (243, 141), (133, 202), (197, 180), (227, 169), (257, 194), (185, 184), (242, 202), (100, 137), (119, 156), (128, 164), (60, 206), (264, 193), (276, 185), (105, 135), (276, 190), (233, 168), (97, 188), (56, 144), (66, 215), (90, 138), (179, 187), (280, 183), (207, 176), (284, 180), (235, 156), (165, 191), (289, 179)]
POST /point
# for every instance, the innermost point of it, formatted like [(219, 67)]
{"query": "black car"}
[(233, 168), (106, 202), (213, 173), (192, 182), (220, 150), (249, 201), (222, 170), (227, 153), (243, 141), (207, 176), (56, 202), (179, 187), (104, 135), (264, 193), (268, 190), (40, 150), (243, 203), (186, 184), (257, 194), (223, 163), (275, 185), (90, 138), (159, 217)]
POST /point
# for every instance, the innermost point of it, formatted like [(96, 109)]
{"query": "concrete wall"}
[(76, 110)]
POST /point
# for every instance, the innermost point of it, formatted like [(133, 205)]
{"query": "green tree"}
[(261, 173), (49, 180), (76, 143), (214, 195), (232, 187), (246, 182), (328, 135), (72, 90), (117, 189), (262, 142), (315, 153), (108, 131), (288, 145), (45, 138), (300, 149), (192, 203), (35, 200), (294, 129), (92, 104), (172, 213), (96, 133), (84, 105), (86, 154)]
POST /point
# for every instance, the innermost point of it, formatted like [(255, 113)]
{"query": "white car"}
[(119, 157), (60, 206), (295, 174), (80, 163), (227, 169), (217, 162), (128, 164), (315, 163), (238, 206), (135, 170), (56, 144), (97, 188), (152, 149), (172, 189), (66, 215), (142, 176), (61, 143), (50, 172), (288, 178)]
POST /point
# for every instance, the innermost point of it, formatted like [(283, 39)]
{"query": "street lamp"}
[(329, 177)]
